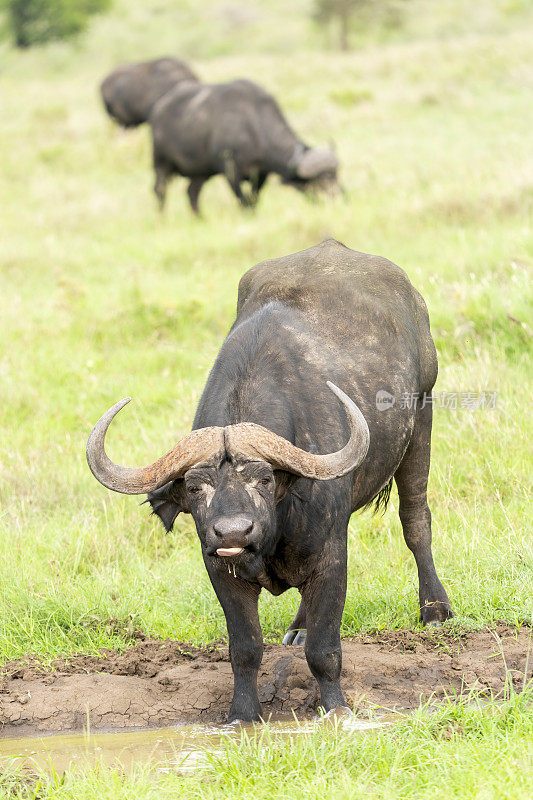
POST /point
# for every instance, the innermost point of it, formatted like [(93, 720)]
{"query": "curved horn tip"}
[(122, 403), (350, 405), (114, 409), (98, 431), (334, 387), (340, 394)]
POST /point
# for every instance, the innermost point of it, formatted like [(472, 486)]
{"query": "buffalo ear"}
[(284, 481), (168, 501)]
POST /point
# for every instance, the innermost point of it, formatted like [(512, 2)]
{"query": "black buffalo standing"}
[(270, 512), (131, 90), (235, 129)]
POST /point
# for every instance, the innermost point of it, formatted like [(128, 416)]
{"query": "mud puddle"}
[(158, 684), (179, 748)]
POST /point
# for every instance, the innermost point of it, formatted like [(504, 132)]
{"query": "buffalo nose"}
[(233, 528)]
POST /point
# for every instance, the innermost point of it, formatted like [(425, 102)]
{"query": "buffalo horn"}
[(198, 446), (249, 440), (315, 162)]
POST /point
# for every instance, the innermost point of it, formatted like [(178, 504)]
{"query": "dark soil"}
[(158, 683)]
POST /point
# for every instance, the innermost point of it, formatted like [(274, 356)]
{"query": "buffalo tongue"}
[(229, 551)]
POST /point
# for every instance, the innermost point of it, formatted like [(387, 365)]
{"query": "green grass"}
[(101, 298)]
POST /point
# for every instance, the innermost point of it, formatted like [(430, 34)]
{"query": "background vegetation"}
[(102, 298), (34, 22)]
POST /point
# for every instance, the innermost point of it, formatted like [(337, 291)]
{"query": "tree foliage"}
[(343, 12), (33, 22)]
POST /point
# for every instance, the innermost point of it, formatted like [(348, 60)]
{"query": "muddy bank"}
[(158, 683)]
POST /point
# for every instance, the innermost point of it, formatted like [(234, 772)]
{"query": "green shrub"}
[(33, 22), (345, 13)]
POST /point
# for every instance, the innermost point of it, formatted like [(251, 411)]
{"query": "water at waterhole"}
[(179, 748)]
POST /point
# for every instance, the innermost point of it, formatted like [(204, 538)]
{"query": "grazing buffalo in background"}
[(270, 511), (234, 129), (130, 91)]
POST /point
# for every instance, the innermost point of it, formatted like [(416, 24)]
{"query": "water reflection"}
[(180, 748)]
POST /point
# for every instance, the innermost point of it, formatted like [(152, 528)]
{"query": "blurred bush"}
[(344, 13), (34, 22)]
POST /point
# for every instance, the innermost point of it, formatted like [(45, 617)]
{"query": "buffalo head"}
[(229, 478), (314, 170)]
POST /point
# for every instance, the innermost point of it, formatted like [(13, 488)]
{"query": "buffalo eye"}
[(266, 481), (194, 489)]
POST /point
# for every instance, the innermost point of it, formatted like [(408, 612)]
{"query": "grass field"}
[(101, 298)]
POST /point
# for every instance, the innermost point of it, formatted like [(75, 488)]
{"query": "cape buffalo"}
[(130, 91), (271, 512), (235, 129)]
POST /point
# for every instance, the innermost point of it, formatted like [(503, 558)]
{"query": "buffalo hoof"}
[(296, 638), (238, 723), (434, 614), (239, 720), (340, 712)]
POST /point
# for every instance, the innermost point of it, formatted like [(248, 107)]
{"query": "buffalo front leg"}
[(257, 181), (411, 479), (238, 599), (193, 191), (235, 178), (324, 596), (160, 186), (246, 200)]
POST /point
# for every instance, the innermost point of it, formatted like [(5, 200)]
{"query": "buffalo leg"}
[(411, 479), (235, 178), (296, 632), (260, 182), (193, 190), (238, 599), (160, 187), (324, 596), (246, 201), (256, 183)]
